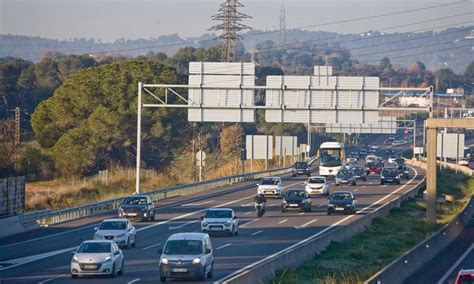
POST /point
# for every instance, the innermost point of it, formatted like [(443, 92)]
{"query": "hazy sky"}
[(112, 19)]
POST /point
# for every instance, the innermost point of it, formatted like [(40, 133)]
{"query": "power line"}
[(270, 32)]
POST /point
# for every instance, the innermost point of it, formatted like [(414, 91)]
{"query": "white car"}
[(317, 184), (392, 159), (375, 147), (270, 186), (120, 231), (220, 221), (370, 158), (97, 258), (463, 162), (351, 160)]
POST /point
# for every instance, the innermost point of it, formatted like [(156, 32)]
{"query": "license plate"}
[(294, 205), (132, 214), (180, 270), (90, 266), (339, 208), (215, 229)]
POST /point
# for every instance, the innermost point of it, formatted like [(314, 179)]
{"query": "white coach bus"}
[(331, 158)]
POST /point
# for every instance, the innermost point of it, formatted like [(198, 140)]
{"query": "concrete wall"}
[(12, 196), (299, 253)]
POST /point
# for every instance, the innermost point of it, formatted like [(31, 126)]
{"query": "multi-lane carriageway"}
[(43, 255)]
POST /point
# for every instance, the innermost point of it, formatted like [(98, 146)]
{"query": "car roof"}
[(342, 192), (220, 209), (115, 220), (317, 177), (99, 241), (188, 236), (466, 271)]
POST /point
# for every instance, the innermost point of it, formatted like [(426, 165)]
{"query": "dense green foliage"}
[(90, 121)]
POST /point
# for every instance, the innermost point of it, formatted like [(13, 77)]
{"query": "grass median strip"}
[(358, 258)]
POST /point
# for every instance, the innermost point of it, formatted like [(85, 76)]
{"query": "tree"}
[(7, 147), (469, 73), (70, 64), (90, 121), (385, 63), (231, 141)]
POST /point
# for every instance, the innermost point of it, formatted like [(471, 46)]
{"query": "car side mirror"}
[(258, 184), (160, 251), (73, 252), (117, 252), (306, 182), (354, 198), (208, 251), (96, 228), (202, 217), (235, 217), (151, 203)]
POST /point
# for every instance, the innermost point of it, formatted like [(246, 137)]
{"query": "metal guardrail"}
[(48, 217)]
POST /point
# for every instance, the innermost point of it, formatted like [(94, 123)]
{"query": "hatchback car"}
[(296, 199), (465, 276), (403, 171), (120, 231), (220, 221), (389, 175), (342, 201), (359, 172), (270, 186), (345, 177), (97, 258), (301, 168), (137, 206), (317, 184), (187, 255), (373, 167)]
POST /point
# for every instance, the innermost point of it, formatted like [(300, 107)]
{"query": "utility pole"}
[(230, 25), (17, 127), (282, 33)]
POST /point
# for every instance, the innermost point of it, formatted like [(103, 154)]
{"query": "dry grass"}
[(60, 193)]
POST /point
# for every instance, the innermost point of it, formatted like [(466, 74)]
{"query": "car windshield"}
[(113, 225), (331, 157), (94, 248), (270, 181), (389, 172), (466, 279), (316, 180), (358, 170), (183, 247), (296, 193), (135, 201), (301, 165), (343, 173), (219, 214), (341, 196), (371, 164)]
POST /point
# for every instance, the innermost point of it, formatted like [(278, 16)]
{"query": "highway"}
[(43, 256)]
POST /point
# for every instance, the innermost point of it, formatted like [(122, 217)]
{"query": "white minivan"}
[(187, 255)]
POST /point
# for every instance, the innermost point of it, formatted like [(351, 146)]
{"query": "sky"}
[(109, 20)]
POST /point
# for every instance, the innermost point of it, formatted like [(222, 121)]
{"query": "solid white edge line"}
[(28, 259), (256, 233), (451, 269), (223, 246), (313, 236)]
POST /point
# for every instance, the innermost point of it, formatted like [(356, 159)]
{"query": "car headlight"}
[(197, 260), (382, 177), (331, 205), (228, 223), (98, 236), (75, 259), (204, 224), (120, 236), (108, 259), (347, 205), (164, 260), (284, 201)]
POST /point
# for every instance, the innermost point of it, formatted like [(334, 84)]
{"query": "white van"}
[(187, 255)]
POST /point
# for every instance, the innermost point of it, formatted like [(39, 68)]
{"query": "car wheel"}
[(129, 243), (382, 183), (398, 182), (153, 216), (122, 269), (202, 277), (329, 212), (112, 273), (209, 274), (283, 211), (162, 279), (309, 208), (365, 179), (73, 276), (294, 175), (337, 184), (134, 244), (354, 183)]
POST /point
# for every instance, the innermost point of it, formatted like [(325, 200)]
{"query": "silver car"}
[(187, 255), (97, 258), (120, 231), (220, 221)]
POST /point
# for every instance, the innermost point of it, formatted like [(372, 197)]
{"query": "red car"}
[(374, 168), (465, 276)]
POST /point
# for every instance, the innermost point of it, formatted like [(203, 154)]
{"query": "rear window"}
[(316, 180)]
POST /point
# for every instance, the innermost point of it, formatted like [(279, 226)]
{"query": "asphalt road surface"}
[(43, 255)]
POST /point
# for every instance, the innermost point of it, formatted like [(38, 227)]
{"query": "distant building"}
[(455, 97)]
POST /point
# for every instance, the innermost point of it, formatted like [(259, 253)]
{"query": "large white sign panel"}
[(450, 143), (386, 125), (214, 82), (339, 92), (259, 147), (286, 145)]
